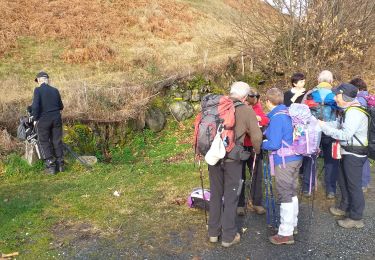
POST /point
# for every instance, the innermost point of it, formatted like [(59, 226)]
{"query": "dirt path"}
[(319, 238)]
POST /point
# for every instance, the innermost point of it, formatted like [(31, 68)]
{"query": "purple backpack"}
[(306, 134), (370, 100)]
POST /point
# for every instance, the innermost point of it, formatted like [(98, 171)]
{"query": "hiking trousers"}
[(49, 131), (256, 183), (287, 181), (366, 174), (350, 182), (330, 165), (225, 182)]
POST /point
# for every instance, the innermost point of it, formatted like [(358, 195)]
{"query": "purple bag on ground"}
[(198, 199)]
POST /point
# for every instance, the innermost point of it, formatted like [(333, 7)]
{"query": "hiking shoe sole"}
[(289, 242), (214, 239), (358, 225), (337, 212), (236, 240)]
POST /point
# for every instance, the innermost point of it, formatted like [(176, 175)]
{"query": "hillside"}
[(90, 44)]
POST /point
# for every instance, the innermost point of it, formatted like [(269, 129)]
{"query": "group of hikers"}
[(340, 116)]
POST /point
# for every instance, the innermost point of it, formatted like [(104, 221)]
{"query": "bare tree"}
[(307, 35)]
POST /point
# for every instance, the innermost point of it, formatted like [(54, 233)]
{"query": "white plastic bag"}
[(217, 150)]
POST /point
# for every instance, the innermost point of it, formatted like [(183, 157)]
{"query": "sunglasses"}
[(257, 96)]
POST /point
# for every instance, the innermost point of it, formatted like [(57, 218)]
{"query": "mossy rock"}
[(81, 139)]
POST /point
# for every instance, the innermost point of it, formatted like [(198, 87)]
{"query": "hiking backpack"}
[(370, 113), (306, 132), (217, 111), (323, 107)]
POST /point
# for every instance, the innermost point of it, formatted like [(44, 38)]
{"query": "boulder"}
[(138, 123), (177, 94), (195, 96), (181, 110), (186, 96), (155, 119), (197, 107), (88, 159)]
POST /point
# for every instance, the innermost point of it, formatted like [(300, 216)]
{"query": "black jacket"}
[(46, 102)]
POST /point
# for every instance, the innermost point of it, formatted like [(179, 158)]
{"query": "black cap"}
[(41, 74), (349, 92)]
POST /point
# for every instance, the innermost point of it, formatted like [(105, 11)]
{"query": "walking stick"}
[(269, 177), (249, 199), (204, 197), (266, 188)]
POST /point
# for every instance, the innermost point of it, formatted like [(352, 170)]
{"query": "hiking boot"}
[(50, 166), (330, 195), (50, 170), (306, 194), (60, 165), (337, 212), (241, 211), (260, 210), (250, 206), (214, 239), (280, 240), (236, 240), (350, 223), (295, 231)]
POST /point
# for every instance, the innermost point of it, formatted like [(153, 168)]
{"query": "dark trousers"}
[(49, 130), (330, 165), (256, 183), (224, 184), (350, 182), (308, 169)]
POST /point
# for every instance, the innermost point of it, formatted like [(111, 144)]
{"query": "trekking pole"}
[(249, 199), (204, 196), (313, 167), (266, 188), (84, 163), (272, 197)]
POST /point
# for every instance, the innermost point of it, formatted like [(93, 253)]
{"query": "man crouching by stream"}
[(46, 109), (225, 176)]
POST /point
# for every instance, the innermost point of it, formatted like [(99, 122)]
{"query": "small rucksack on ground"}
[(197, 200), (217, 111)]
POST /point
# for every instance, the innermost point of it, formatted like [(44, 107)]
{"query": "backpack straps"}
[(363, 110)]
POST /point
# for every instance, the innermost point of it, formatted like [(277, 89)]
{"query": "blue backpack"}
[(322, 104)]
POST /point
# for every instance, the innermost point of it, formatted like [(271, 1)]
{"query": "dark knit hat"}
[(349, 92)]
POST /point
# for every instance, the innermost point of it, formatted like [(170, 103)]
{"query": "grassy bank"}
[(45, 216)]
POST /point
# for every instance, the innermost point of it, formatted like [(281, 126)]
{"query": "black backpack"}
[(370, 149)]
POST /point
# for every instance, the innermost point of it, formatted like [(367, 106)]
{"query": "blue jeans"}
[(366, 174), (331, 166)]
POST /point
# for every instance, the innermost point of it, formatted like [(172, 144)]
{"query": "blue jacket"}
[(280, 128)]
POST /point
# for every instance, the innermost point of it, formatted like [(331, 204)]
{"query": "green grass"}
[(160, 173)]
